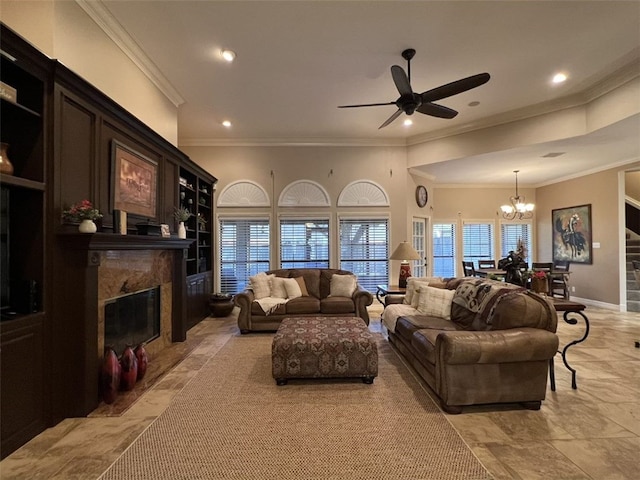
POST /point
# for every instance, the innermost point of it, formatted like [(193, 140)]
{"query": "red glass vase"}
[(109, 375), (129, 369), (143, 360)]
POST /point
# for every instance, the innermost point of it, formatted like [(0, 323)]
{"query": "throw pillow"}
[(435, 302), (292, 288), (278, 287), (342, 285), (417, 286), (411, 288), (303, 286), (261, 285)]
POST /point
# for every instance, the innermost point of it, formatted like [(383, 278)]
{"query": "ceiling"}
[(298, 60)]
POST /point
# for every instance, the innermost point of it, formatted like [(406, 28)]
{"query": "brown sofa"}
[(318, 302), (496, 354)]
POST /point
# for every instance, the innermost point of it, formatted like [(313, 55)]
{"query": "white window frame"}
[(491, 243), (503, 253)]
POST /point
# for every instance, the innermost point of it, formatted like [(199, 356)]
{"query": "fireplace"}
[(132, 319)]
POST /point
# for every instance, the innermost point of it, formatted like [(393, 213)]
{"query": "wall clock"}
[(421, 195)]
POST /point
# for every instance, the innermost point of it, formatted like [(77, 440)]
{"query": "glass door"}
[(419, 242)]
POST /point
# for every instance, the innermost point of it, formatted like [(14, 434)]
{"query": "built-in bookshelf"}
[(23, 190)]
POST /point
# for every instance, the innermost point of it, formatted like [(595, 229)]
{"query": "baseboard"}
[(596, 303)]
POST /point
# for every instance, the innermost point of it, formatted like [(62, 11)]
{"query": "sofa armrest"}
[(362, 299), (243, 300), (393, 299), (497, 346)]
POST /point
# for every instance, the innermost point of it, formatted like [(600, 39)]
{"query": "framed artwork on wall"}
[(572, 235), (134, 180)]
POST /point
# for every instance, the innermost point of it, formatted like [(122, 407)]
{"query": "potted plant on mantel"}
[(84, 215), (181, 215)]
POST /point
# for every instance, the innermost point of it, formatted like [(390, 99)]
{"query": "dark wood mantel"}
[(113, 241)]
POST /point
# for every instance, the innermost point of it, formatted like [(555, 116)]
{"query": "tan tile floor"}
[(589, 433)]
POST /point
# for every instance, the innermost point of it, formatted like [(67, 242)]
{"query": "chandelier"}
[(518, 209)]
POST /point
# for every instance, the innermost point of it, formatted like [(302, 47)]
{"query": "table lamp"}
[(404, 253)]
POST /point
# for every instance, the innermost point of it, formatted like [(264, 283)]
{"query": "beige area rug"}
[(232, 422)]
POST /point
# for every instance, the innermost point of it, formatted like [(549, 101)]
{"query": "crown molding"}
[(419, 173), (292, 142), (114, 30)]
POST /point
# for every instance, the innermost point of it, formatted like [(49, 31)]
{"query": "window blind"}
[(444, 250), (304, 243), (244, 251), (364, 250), (510, 233), (477, 242)]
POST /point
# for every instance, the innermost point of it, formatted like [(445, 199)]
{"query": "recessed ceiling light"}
[(228, 55), (226, 123), (475, 103), (408, 122), (559, 78)]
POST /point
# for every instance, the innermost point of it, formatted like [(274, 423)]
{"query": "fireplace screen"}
[(132, 319)]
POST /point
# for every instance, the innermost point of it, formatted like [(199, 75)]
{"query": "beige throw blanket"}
[(271, 304)]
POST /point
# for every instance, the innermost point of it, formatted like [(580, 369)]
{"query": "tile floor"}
[(589, 433)]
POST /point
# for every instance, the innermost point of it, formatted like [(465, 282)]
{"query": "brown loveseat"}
[(318, 302), (495, 348)]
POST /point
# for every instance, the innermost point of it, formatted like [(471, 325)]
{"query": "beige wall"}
[(332, 167), (599, 281), (62, 30), (632, 185)]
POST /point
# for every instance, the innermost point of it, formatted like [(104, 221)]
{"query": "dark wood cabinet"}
[(60, 131), (23, 256)]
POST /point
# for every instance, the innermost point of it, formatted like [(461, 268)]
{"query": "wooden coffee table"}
[(568, 308)]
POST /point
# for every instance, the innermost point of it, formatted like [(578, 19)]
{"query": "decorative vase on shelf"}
[(6, 168), (182, 231), (87, 226)]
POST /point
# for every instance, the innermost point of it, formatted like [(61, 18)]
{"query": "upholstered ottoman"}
[(324, 347)]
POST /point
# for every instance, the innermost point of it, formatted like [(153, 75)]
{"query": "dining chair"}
[(559, 285), (468, 269), (486, 264)]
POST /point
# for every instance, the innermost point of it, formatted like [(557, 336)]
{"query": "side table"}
[(221, 305), (384, 290), (568, 308)]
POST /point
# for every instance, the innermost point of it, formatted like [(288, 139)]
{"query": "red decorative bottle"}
[(109, 375), (129, 366), (143, 360)]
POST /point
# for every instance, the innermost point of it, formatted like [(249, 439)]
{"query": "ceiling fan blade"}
[(454, 88), (401, 80), (436, 110), (366, 105), (391, 119)]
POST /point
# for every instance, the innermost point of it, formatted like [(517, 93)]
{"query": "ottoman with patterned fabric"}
[(324, 347)]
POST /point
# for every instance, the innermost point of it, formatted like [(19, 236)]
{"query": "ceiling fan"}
[(410, 102)]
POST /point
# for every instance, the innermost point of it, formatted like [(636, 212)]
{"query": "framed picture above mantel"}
[(134, 180), (572, 234)]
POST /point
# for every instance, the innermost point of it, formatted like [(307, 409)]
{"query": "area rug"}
[(232, 422)]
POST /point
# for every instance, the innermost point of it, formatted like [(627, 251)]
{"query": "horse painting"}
[(572, 234)]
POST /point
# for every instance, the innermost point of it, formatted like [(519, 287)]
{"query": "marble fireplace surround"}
[(124, 272)]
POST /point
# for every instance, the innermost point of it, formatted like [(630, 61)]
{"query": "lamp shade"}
[(405, 252)]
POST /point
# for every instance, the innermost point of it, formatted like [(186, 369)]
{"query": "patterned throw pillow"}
[(292, 288), (278, 288), (435, 302), (261, 285), (342, 285)]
